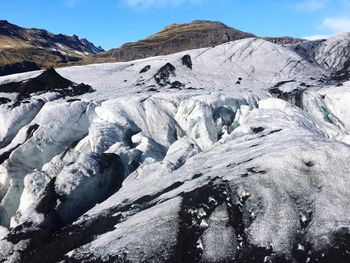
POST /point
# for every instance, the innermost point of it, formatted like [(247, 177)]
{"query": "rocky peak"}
[(7, 28), (75, 37), (199, 24), (175, 38), (5, 23)]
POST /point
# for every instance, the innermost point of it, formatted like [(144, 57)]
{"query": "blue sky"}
[(110, 23)]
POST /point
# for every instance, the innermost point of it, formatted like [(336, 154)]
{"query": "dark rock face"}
[(187, 249), (48, 81), (294, 97), (177, 85), (163, 74), (50, 245), (18, 68), (187, 61), (258, 129), (284, 40), (4, 100), (145, 69), (343, 74)]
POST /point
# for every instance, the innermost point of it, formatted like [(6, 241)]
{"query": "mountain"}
[(172, 39), (23, 49), (237, 152), (177, 38)]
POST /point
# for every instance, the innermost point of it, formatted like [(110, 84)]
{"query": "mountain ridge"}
[(28, 49), (25, 49), (179, 37)]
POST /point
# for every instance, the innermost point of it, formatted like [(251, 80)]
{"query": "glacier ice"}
[(166, 162)]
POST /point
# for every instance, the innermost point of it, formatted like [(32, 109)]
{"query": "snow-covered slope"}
[(235, 153), (332, 54)]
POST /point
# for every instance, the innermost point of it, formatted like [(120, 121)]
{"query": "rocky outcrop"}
[(18, 67), (284, 40), (48, 81)]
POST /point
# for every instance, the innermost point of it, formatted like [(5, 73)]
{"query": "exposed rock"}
[(4, 100), (295, 96), (145, 69), (48, 81), (284, 40), (187, 61), (163, 75), (18, 67)]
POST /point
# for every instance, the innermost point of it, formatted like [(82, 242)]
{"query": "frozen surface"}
[(164, 163)]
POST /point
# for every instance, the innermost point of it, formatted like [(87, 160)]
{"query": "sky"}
[(110, 23)]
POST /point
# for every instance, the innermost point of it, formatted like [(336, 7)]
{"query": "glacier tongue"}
[(72, 137), (169, 163)]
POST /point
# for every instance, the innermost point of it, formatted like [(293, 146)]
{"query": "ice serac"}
[(234, 153)]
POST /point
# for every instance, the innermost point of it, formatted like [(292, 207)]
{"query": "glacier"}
[(233, 153)]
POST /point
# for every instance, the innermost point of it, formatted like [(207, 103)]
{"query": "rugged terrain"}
[(26, 49), (172, 39), (23, 50), (179, 37), (232, 153)]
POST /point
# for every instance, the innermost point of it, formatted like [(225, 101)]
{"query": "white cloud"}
[(316, 37), (311, 5), (331, 26), (157, 3), (336, 25)]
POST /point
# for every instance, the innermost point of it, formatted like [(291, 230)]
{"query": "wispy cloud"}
[(157, 3), (316, 37), (311, 5), (336, 24)]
